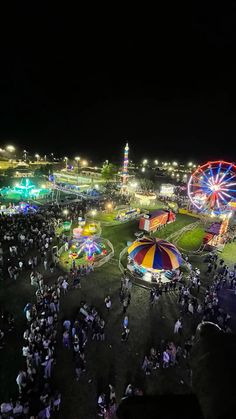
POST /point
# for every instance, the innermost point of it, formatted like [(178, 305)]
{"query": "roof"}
[(156, 213)]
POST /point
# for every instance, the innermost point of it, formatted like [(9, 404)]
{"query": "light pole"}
[(77, 159), (66, 160), (10, 148), (37, 157), (25, 155), (93, 212)]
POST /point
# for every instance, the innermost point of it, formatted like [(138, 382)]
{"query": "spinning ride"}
[(212, 187), (155, 254), (154, 259)]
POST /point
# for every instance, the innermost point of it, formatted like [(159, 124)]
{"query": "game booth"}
[(156, 219), (154, 260), (126, 215), (214, 234)]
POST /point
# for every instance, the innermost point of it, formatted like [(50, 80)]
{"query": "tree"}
[(109, 171), (146, 184), (43, 170)]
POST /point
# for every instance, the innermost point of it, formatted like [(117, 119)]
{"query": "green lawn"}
[(121, 233), (229, 254), (182, 220), (107, 217), (191, 240), (152, 207)]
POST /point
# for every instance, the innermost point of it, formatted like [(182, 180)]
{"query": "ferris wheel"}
[(212, 187)]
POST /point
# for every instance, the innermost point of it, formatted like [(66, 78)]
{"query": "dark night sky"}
[(169, 88)]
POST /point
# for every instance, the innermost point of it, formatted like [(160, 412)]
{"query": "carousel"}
[(154, 260)]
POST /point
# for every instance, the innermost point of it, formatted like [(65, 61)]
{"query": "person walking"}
[(79, 366), (125, 305), (125, 322), (66, 339), (178, 326)]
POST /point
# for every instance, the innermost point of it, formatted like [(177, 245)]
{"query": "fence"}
[(121, 267), (99, 263)]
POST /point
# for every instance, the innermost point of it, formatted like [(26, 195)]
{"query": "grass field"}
[(107, 217), (181, 221), (191, 240), (120, 234), (152, 207), (229, 254)]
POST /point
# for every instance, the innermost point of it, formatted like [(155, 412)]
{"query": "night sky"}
[(168, 87)]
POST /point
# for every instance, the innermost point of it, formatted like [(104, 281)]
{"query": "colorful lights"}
[(90, 247), (24, 189), (125, 165), (212, 187)]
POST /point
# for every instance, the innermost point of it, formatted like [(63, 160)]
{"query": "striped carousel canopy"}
[(152, 253)]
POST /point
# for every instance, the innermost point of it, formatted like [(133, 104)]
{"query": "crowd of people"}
[(26, 249), (26, 243)]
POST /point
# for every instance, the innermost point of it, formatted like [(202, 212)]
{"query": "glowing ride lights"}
[(212, 187), (145, 197), (90, 247), (167, 189), (125, 165)]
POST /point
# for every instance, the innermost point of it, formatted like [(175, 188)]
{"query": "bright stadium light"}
[(10, 148)]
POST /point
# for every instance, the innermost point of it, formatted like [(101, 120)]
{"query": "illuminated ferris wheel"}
[(212, 187)]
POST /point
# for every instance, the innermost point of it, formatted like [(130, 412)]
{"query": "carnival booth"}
[(215, 234), (67, 225), (154, 260), (153, 221), (130, 214)]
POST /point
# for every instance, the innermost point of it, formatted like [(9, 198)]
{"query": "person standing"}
[(165, 359), (45, 264), (190, 308), (64, 286), (108, 303), (21, 380), (47, 364)]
